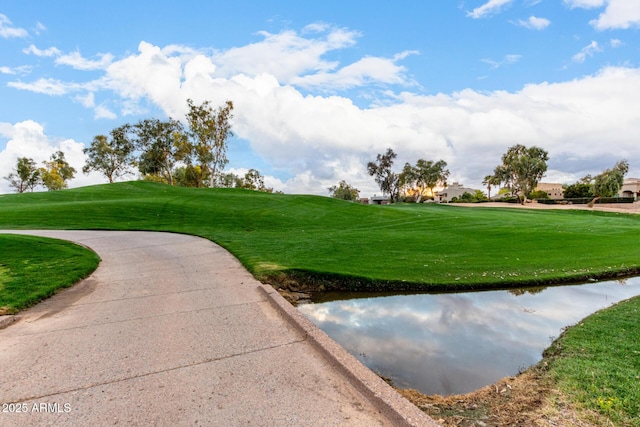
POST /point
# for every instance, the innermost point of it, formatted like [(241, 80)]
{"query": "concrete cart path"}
[(172, 330)]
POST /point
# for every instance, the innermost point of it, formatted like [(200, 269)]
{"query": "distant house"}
[(630, 188), (454, 190), (553, 190), (379, 200)]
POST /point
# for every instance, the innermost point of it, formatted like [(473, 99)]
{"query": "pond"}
[(458, 342)]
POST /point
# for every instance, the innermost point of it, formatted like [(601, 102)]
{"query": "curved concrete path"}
[(172, 330)]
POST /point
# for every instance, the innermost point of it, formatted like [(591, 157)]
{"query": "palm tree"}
[(489, 181)]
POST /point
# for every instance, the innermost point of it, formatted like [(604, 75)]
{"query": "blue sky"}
[(320, 88)]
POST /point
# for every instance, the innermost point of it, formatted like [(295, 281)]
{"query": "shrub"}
[(538, 194)]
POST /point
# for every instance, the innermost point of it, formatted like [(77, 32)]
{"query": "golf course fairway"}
[(323, 243)]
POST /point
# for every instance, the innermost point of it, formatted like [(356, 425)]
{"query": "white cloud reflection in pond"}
[(459, 342)]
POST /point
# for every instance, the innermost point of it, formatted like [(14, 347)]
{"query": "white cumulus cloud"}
[(24, 69), (585, 4), (534, 23), (33, 50), (7, 30), (507, 60), (28, 139), (77, 61), (616, 43), (362, 72), (618, 14), (49, 86), (293, 125), (587, 51), (286, 55), (489, 8), (102, 112)]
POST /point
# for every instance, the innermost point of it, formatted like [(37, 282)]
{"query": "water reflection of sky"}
[(456, 343)]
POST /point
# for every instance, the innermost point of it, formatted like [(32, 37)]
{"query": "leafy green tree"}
[(431, 174), (26, 175), (609, 182), (406, 182), (229, 180), (578, 190), (466, 197), (188, 176), (502, 178), (56, 172), (253, 180), (210, 130), (425, 175), (385, 178), (522, 168), (111, 157), (479, 196), (538, 194), (344, 191), (163, 143)]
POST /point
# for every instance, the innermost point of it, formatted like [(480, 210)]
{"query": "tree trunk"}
[(212, 177)]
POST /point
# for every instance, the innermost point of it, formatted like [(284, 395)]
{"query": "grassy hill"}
[(323, 241)]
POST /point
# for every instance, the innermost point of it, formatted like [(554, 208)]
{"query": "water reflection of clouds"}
[(453, 343)]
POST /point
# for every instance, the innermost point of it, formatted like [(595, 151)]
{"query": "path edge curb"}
[(8, 320), (390, 403)]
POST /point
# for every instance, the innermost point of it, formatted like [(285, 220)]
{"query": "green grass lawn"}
[(596, 364), (359, 247), (34, 268)]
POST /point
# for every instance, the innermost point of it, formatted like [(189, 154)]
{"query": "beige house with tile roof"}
[(453, 190), (630, 188), (554, 190)]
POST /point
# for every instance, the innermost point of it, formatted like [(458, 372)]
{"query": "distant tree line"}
[(166, 151), (522, 168), (518, 175), (414, 182), (475, 197), (606, 184), (53, 175)]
